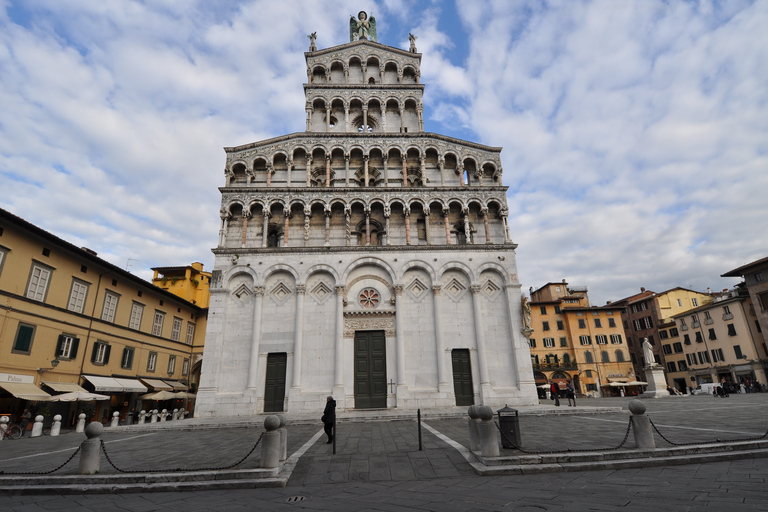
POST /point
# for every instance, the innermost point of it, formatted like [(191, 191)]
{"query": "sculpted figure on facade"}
[(362, 27)]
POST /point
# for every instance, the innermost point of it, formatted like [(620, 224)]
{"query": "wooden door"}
[(274, 390), (370, 370), (462, 377)]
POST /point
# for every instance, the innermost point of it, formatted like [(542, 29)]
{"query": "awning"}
[(618, 379), (64, 387), (157, 384), (25, 391), (104, 383), (176, 385), (131, 385)]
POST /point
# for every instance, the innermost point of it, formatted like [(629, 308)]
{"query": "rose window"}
[(369, 298)]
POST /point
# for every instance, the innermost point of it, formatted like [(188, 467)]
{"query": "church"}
[(363, 258)]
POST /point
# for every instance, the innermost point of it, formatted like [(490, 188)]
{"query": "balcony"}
[(683, 327), (728, 316), (708, 321), (555, 366), (695, 325)]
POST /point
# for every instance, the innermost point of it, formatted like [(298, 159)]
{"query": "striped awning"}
[(157, 384), (64, 387), (25, 391), (176, 385)]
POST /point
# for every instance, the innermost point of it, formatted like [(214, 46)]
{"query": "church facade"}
[(363, 258)]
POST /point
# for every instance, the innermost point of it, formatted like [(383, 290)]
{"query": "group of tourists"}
[(555, 393)]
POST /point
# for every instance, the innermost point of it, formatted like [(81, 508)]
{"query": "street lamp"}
[(54, 364)]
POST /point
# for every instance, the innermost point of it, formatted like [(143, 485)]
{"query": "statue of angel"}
[(312, 39), (362, 27)]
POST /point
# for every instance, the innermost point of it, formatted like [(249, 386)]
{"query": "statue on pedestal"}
[(362, 27), (650, 360)]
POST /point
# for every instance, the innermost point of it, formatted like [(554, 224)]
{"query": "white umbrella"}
[(637, 383), (78, 396), (184, 394), (159, 395)]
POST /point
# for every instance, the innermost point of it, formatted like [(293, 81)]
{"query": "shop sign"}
[(18, 379), (743, 368)]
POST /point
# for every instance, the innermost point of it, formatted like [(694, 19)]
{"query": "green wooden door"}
[(274, 390), (462, 377), (370, 370)]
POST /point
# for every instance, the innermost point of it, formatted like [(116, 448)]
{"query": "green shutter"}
[(106, 353), (75, 344), (24, 338), (58, 345)]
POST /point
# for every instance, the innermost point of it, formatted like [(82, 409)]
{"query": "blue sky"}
[(634, 132)]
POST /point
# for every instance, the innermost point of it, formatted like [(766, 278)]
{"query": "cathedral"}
[(363, 258)]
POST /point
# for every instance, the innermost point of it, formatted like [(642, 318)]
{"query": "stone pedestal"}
[(657, 383)]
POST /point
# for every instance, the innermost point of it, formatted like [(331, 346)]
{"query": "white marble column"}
[(484, 211), (244, 235), (298, 334), (309, 170), (253, 360), (290, 168), (446, 222), (482, 356), (427, 226), (467, 231), (386, 171), (327, 228), (224, 226), (265, 228), (387, 215), (400, 339), (346, 170), (338, 379), (286, 228), (441, 166), (444, 385)]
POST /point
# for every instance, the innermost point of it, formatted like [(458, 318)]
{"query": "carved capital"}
[(301, 289), (436, 289), (475, 289), (259, 290)]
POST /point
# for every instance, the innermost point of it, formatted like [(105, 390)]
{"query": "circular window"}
[(369, 298)]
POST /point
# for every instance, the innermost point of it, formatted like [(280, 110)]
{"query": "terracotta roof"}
[(738, 272)]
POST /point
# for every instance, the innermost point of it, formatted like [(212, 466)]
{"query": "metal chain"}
[(42, 472), (174, 470), (567, 450), (707, 442)]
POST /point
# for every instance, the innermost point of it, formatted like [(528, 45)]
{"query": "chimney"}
[(642, 289)]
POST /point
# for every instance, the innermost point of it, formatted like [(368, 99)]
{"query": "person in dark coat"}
[(26, 417), (554, 389), (329, 418)]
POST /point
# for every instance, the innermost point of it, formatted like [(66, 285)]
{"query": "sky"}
[(635, 133)]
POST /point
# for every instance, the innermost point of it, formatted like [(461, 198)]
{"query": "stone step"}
[(55, 487)]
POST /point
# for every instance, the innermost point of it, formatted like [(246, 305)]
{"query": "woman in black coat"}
[(329, 418)]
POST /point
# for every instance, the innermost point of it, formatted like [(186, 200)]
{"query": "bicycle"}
[(12, 432)]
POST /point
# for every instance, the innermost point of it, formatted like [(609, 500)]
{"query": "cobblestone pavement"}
[(378, 466)]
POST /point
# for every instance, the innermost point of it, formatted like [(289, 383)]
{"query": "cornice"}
[(355, 44), (281, 251)]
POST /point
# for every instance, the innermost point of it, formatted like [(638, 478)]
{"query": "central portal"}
[(370, 370)]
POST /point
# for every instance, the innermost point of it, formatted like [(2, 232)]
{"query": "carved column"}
[(253, 360), (441, 166), (442, 373), (270, 172), (286, 226), (426, 225), (309, 169), (328, 119), (386, 171), (479, 177), (503, 214), (461, 176), (347, 228), (467, 231), (246, 216), (497, 176), (365, 167), (383, 118), (228, 177), (423, 170), (407, 212), (421, 115), (298, 334), (327, 228), (346, 75), (265, 228), (387, 214), (307, 216), (402, 119), (399, 76), (346, 170), (290, 168), (446, 214), (309, 109), (404, 158), (482, 357), (327, 170), (367, 226), (365, 118), (484, 212), (224, 216), (338, 379), (400, 337), (346, 114)]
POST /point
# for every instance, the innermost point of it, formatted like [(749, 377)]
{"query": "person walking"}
[(329, 418), (554, 390), (26, 417), (570, 394)]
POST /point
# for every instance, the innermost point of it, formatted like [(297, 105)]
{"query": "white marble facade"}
[(345, 230)]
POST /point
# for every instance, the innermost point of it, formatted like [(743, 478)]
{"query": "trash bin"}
[(509, 424)]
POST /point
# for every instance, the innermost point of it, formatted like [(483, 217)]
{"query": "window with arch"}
[(461, 235), (274, 234), (619, 356), (588, 357), (604, 357), (566, 358)]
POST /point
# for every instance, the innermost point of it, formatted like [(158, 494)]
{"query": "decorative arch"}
[(281, 267), (457, 265), (320, 267), (421, 265), (369, 261)]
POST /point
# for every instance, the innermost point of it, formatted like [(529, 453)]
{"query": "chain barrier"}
[(43, 472), (567, 450), (707, 442), (174, 470)]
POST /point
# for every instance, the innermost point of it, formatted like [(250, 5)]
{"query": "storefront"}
[(122, 393)]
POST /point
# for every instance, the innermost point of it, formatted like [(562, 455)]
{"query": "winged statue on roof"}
[(362, 27)]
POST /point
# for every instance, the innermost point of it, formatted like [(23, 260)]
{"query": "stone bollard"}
[(488, 433), (175, 414), (115, 419), (90, 450), (270, 443), (183, 414), (154, 416), (37, 428), (56, 427), (283, 437), (142, 417), (3, 426), (80, 428), (641, 426), (163, 415), (474, 420)]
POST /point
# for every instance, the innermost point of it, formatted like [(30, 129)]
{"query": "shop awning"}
[(25, 391), (618, 379), (176, 385), (131, 385), (64, 387), (157, 384), (107, 384)]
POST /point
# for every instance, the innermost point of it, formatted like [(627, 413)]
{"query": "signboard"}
[(18, 379)]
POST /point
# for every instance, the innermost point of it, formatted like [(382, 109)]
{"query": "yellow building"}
[(70, 320), (571, 340)]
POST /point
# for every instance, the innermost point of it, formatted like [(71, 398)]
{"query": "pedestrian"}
[(26, 416), (329, 418), (554, 391), (570, 394)]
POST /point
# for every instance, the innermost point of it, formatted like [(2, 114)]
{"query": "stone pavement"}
[(378, 465)]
